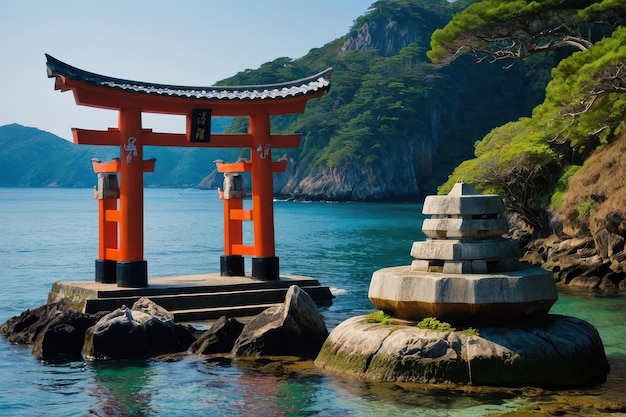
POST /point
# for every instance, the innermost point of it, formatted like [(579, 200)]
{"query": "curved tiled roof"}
[(304, 86)]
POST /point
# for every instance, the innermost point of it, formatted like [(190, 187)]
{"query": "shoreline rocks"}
[(54, 330), (57, 332), (582, 262)]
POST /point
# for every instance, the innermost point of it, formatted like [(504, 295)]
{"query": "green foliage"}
[(431, 323), (379, 317), (504, 150), (587, 208), (470, 331), (510, 30), (561, 187), (585, 102), (606, 10)]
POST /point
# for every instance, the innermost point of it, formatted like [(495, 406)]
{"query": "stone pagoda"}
[(465, 270), (465, 273)]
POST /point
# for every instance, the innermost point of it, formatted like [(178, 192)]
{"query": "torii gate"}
[(121, 238)]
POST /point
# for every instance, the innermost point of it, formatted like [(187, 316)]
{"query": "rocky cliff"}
[(399, 177), (390, 33), (393, 127)]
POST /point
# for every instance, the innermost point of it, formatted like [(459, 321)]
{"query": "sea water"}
[(49, 235)]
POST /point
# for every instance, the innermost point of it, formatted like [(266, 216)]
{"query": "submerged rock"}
[(549, 351), (220, 338), (294, 328)]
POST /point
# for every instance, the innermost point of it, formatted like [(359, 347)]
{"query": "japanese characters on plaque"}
[(200, 125)]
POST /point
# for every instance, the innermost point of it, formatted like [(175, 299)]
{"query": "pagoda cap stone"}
[(463, 200), (463, 188)]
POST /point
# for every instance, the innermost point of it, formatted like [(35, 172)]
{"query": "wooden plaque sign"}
[(200, 125)]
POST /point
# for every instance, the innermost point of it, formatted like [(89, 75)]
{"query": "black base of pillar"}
[(105, 271), (265, 268), (132, 274), (232, 266)]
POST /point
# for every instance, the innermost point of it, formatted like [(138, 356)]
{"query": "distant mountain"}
[(30, 157)]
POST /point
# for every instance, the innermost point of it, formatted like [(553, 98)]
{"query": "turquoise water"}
[(51, 234)]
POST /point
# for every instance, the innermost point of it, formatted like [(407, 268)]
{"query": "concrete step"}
[(158, 290), (203, 314), (237, 302)]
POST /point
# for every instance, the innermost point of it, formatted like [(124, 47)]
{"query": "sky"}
[(182, 42)]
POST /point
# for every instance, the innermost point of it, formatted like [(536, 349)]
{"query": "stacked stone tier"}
[(463, 200), (465, 256), (458, 227), (413, 295)]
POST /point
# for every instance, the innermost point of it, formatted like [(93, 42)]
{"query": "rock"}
[(549, 351), (144, 330), (160, 327), (606, 284), (186, 335), (293, 328), (220, 338), (23, 329), (533, 257), (607, 243), (585, 281), (63, 336), (117, 335), (145, 305), (571, 246), (570, 271)]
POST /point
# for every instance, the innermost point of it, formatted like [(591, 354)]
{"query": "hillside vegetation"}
[(531, 160), (393, 125), (561, 170)]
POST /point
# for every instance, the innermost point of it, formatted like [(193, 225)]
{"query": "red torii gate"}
[(121, 248)]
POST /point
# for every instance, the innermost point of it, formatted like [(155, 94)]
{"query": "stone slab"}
[(463, 200), (413, 295), (450, 228), (462, 250)]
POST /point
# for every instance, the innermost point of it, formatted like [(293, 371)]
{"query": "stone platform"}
[(191, 297), (413, 295)]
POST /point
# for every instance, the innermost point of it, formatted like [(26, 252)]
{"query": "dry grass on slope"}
[(596, 197)]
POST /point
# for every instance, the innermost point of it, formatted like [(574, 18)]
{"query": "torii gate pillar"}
[(131, 269), (265, 263)]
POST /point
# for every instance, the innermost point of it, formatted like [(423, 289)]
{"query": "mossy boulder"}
[(550, 351)]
